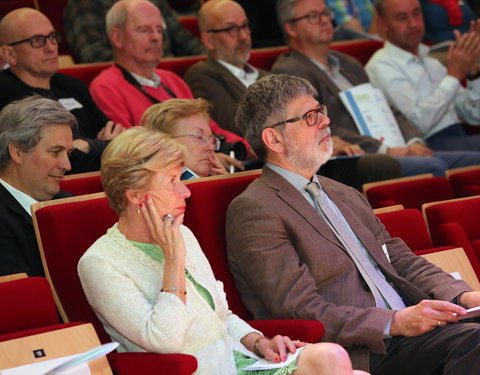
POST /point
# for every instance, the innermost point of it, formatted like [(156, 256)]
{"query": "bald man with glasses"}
[(29, 44)]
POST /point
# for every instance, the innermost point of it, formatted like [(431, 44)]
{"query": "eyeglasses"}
[(234, 31), (39, 41), (205, 139), (310, 117), (314, 16)]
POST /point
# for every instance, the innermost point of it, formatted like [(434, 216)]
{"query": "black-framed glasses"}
[(205, 139), (234, 30), (310, 117), (315, 16), (39, 41)]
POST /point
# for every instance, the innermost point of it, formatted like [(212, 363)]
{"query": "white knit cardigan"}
[(123, 286)]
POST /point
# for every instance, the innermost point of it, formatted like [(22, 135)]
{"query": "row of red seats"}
[(414, 191), (262, 58)]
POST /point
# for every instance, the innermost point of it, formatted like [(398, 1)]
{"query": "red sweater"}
[(123, 103)]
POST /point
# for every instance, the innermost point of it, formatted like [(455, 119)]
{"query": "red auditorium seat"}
[(82, 183), (400, 223), (211, 198), (190, 23), (65, 229), (411, 192), (28, 308), (455, 223), (465, 181), (361, 49)]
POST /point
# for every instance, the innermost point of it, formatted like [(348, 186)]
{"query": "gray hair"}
[(116, 16), (265, 103), (285, 13), (22, 121)]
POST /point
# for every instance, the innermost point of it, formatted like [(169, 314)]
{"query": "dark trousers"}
[(453, 349)]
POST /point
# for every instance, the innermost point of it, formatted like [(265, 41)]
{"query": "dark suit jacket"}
[(90, 119), (287, 263), (18, 245), (212, 81), (342, 124)]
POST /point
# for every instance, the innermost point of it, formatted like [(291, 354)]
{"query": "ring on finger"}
[(438, 323), (168, 217)]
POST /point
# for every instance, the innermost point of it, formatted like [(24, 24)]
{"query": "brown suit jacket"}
[(212, 81), (342, 123), (288, 264)]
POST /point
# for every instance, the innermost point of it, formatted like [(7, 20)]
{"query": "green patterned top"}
[(155, 252)]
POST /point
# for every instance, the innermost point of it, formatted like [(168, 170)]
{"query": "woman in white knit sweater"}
[(152, 287)]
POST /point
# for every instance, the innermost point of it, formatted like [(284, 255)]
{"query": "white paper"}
[(262, 364), (456, 275), (372, 114), (41, 368), (70, 103), (471, 313)]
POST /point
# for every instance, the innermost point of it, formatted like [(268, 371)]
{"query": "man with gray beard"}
[(302, 246)]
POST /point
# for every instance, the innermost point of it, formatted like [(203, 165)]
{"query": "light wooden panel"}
[(455, 260), (56, 344)]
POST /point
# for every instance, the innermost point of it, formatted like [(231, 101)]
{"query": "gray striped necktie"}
[(384, 294)]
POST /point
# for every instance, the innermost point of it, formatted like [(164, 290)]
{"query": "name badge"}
[(70, 103)]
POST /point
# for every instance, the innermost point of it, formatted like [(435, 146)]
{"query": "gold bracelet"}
[(173, 290), (256, 344)]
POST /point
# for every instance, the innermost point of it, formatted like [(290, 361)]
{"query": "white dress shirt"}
[(246, 76), (421, 89), (25, 200)]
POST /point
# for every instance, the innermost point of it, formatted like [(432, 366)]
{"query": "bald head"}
[(212, 10), (225, 31), (20, 24), (118, 14)]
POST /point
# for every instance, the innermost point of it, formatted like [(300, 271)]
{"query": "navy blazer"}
[(18, 245)]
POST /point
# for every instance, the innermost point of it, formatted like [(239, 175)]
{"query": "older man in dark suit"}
[(35, 140), (306, 247)]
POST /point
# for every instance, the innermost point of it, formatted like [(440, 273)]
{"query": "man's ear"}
[(381, 26), (289, 30), (273, 140), (207, 40), (15, 153), (8, 55), (116, 37)]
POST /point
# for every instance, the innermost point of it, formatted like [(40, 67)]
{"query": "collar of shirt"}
[(25, 200), (333, 62), (155, 82), (406, 57), (247, 76), (297, 181), (333, 72)]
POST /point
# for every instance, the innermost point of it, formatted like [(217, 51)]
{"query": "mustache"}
[(324, 133), (243, 44)]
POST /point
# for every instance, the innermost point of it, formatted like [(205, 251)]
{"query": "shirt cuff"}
[(383, 149), (386, 331), (416, 140)]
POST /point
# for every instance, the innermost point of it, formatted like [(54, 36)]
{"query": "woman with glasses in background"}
[(187, 121)]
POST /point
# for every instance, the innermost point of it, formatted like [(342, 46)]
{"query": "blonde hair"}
[(165, 116), (127, 162)]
